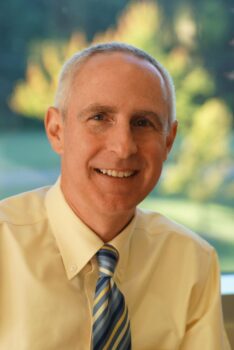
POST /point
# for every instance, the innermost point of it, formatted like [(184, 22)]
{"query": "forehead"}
[(121, 64)]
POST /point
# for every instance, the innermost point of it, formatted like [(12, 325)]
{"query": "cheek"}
[(155, 152), (79, 152)]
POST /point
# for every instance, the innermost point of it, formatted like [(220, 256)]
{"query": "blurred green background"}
[(192, 38)]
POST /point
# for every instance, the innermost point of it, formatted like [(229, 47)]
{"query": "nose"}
[(121, 141)]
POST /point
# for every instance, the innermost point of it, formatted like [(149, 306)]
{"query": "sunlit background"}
[(192, 38)]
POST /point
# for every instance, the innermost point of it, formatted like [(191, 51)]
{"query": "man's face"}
[(115, 136)]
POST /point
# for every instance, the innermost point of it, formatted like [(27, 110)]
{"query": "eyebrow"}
[(97, 108)]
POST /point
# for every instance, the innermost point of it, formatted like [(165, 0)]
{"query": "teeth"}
[(116, 173)]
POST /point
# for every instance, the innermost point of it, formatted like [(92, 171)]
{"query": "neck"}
[(106, 226)]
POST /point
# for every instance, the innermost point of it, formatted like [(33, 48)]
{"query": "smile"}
[(115, 173)]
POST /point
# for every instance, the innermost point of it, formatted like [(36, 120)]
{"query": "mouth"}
[(117, 173)]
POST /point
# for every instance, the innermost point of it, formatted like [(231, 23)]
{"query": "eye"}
[(142, 122), (98, 116)]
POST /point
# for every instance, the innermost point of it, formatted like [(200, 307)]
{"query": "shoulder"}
[(160, 228), (24, 208), (174, 248)]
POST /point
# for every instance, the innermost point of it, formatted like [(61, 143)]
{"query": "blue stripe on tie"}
[(104, 314), (112, 320), (125, 341), (109, 315), (111, 327), (119, 330), (100, 285), (102, 300)]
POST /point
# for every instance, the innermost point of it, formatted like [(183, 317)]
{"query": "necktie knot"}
[(107, 258)]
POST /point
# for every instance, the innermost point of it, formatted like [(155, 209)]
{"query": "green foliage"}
[(32, 96), (193, 89), (133, 28), (212, 22), (204, 153)]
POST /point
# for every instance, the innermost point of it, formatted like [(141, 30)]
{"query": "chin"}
[(118, 206)]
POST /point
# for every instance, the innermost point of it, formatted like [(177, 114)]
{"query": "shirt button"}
[(73, 268)]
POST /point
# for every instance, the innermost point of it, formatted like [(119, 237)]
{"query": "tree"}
[(204, 155), (33, 95)]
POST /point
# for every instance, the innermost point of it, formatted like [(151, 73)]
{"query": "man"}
[(113, 125)]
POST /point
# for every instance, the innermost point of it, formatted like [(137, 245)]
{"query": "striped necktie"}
[(111, 327)]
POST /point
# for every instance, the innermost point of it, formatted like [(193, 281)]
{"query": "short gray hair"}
[(70, 69)]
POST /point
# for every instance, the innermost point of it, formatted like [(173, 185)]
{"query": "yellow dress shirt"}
[(48, 273)]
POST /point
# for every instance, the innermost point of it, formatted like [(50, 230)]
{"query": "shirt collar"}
[(77, 243)]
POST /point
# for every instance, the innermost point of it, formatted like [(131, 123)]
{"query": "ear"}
[(54, 125), (171, 137)]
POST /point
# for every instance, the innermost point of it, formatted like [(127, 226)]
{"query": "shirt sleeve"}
[(205, 327)]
